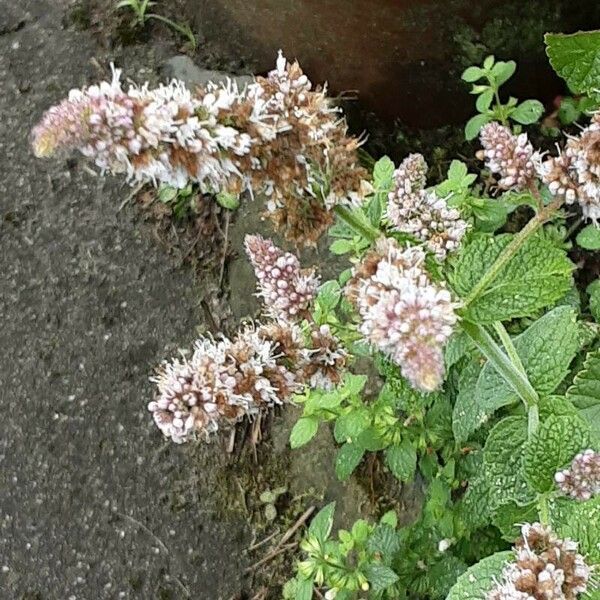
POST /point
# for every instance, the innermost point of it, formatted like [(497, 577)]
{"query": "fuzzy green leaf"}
[(384, 541), (509, 517), (351, 425), (383, 172), (527, 112), (585, 391), (554, 444), (380, 577), (402, 460), (471, 74), (474, 125), (503, 71), (546, 350), (478, 580), (468, 415), (594, 293), (503, 462), (576, 58), (579, 521), (589, 238), (347, 459), (537, 276), (303, 431), (322, 523), (341, 247)]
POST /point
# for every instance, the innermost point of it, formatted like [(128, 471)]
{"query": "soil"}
[(94, 292)]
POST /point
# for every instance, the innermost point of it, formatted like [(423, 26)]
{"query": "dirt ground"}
[(93, 503)]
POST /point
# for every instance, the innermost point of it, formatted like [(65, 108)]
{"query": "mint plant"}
[(491, 75), (486, 384)]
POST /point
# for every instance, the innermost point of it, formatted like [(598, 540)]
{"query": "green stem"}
[(512, 374), (509, 346), (363, 228)]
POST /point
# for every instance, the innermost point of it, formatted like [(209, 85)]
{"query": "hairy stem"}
[(363, 228), (511, 373), (508, 346)]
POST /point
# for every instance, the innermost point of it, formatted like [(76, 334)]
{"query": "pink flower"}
[(420, 213), (582, 479), (285, 288), (510, 156), (404, 314)]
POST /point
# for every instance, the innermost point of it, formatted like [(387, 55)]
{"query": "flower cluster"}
[(285, 288), (582, 479), (510, 156), (420, 213), (226, 380), (404, 314), (575, 173), (222, 381), (277, 136), (545, 567)]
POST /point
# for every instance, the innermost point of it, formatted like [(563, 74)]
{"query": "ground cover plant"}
[(462, 293)]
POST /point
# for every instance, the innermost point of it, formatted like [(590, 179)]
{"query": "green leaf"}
[(370, 440), (478, 580), (341, 247), (578, 521), (502, 462), (509, 517), (350, 425), (468, 415), (321, 525), (503, 71), (576, 58), (352, 384), (385, 541), (474, 125), (347, 459), (594, 292), (585, 391), (380, 577), (475, 507), (484, 101), (329, 295), (472, 74), (303, 431), (458, 345), (167, 193), (304, 589), (227, 200), (383, 171), (546, 350), (537, 276), (554, 444), (527, 112), (589, 238), (402, 460), (390, 518)]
